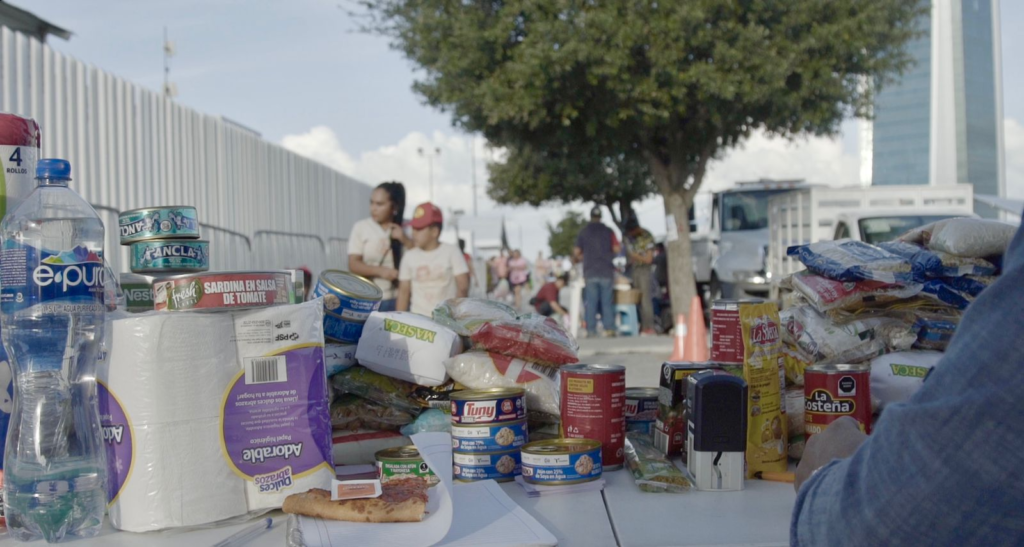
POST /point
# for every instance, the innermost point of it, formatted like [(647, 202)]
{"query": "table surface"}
[(621, 515)]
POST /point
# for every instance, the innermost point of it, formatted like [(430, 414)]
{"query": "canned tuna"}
[(174, 222), (561, 461), (481, 406), (489, 437), (170, 255), (501, 466), (641, 409), (348, 301)]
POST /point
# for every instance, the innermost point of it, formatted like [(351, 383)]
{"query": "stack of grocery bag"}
[(895, 305)]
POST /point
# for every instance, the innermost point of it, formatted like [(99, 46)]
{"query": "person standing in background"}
[(501, 288), (432, 272), (596, 247), (640, 253), (376, 244), (518, 276)]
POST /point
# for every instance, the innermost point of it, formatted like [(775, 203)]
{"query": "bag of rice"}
[(928, 263), (466, 315), (533, 338), (407, 346), (480, 370), (849, 260), (897, 376), (970, 237), (827, 294), (825, 341)]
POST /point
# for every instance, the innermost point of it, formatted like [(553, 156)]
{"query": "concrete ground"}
[(642, 356)]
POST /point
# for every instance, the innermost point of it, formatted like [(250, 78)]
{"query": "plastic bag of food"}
[(762, 346), (339, 357), (935, 329), (350, 413), (430, 421), (897, 376), (827, 294), (466, 315), (480, 370), (533, 338), (795, 421), (970, 285), (928, 263), (849, 260), (970, 237), (437, 397), (943, 292), (407, 346), (826, 341), (652, 471), (795, 362), (378, 388)]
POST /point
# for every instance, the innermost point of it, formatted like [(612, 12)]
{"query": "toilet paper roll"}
[(178, 478)]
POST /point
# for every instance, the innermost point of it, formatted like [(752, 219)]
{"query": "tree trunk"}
[(682, 285)]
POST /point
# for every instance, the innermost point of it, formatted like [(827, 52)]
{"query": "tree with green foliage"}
[(537, 176), (562, 236), (678, 83)]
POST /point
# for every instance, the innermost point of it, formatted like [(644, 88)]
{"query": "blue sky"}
[(300, 73)]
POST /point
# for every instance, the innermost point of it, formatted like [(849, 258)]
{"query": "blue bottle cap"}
[(53, 169)]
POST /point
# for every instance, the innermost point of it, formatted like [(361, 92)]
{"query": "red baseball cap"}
[(426, 215)]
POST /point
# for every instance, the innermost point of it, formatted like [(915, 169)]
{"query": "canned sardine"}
[(403, 462), (349, 300), (641, 409), (501, 466), (482, 406), (561, 461), (222, 290), (173, 222), (493, 437), (170, 255)]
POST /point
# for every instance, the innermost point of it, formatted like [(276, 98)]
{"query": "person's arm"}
[(647, 258), (616, 246), (558, 308), (398, 233), (358, 267), (577, 255), (462, 285), (930, 472), (404, 295)]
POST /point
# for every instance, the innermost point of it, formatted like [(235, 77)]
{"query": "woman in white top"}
[(376, 243)]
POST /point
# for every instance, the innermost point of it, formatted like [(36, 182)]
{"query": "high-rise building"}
[(942, 123)]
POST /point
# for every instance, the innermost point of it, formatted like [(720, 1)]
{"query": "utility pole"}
[(472, 156), (430, 167)]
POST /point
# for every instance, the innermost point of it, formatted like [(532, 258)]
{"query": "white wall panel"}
[(261, 207)]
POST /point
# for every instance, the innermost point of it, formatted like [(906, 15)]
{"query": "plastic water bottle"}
[(52, 300)]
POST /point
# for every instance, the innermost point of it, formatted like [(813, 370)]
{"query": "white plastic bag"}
[(970, 237), (897, 376), (480, 370), (407, 346)]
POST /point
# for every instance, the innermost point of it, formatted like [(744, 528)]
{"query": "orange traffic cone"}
[(679, 352), (697, 334)]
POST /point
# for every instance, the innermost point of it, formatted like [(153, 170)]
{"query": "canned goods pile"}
[(488, 430)]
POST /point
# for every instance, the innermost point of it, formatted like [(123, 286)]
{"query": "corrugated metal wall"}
[(261, 206)]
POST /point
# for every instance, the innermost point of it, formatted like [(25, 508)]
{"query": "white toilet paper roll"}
[(179, 478)]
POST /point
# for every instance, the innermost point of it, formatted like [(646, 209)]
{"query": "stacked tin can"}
[(161, 241), (488, 431), (349, 299)]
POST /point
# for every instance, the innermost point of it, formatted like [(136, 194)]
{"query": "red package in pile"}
[(534, 339)]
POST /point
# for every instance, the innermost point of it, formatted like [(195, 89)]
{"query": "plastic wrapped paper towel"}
[(210, 416)]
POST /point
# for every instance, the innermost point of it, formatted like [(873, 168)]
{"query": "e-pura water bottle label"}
[(276, 423), (68, 282), (118, 440)]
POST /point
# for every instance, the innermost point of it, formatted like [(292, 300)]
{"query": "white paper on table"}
[(481, 514)]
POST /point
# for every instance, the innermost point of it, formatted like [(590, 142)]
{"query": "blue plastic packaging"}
[(849, 260)]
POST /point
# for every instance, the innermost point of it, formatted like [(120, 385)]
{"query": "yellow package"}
[(764, 370), (795, 362)]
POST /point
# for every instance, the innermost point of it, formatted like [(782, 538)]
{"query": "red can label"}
[(726, 335), (830, 395), (594, 407), (235, 290)]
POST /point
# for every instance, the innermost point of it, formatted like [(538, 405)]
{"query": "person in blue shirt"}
[(946, 467)]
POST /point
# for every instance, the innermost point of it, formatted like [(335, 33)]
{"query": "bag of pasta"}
[(849, 260), (350, 413), (652, 471), (466, 315), (378, 388)]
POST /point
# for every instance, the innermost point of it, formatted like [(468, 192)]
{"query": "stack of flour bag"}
[(406, 366), (895, 305)]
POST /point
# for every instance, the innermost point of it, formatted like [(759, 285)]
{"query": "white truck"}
[(740, 235), (873, 215)]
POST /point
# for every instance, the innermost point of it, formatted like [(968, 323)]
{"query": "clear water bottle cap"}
[(53, 169)]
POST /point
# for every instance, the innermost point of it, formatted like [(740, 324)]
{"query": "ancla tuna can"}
[(593, 401), (348, 300), (170, 255), (726, 333), (834, 391), (641, 409), (173, 222), (222, 290), (483, 406), (561, 461)]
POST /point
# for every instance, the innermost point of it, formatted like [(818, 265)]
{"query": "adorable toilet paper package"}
[(212, 416)]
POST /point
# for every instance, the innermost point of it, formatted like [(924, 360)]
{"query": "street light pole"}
[(430, 167), (472, 156)]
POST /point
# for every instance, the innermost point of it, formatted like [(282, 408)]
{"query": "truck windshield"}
[(882, 229), (746, 210)]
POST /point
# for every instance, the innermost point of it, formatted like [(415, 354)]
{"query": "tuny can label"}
[(593, 404), (562, 461), (641, 409), (489, 437), (501, 466), (834, 391), (484, 406), (217, 291), (726, 332)]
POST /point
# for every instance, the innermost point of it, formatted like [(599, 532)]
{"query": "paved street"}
[(641, 356)]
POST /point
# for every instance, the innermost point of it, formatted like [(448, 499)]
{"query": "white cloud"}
[(818, 160)]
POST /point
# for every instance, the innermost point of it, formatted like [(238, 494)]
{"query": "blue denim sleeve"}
[(947, 467)]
